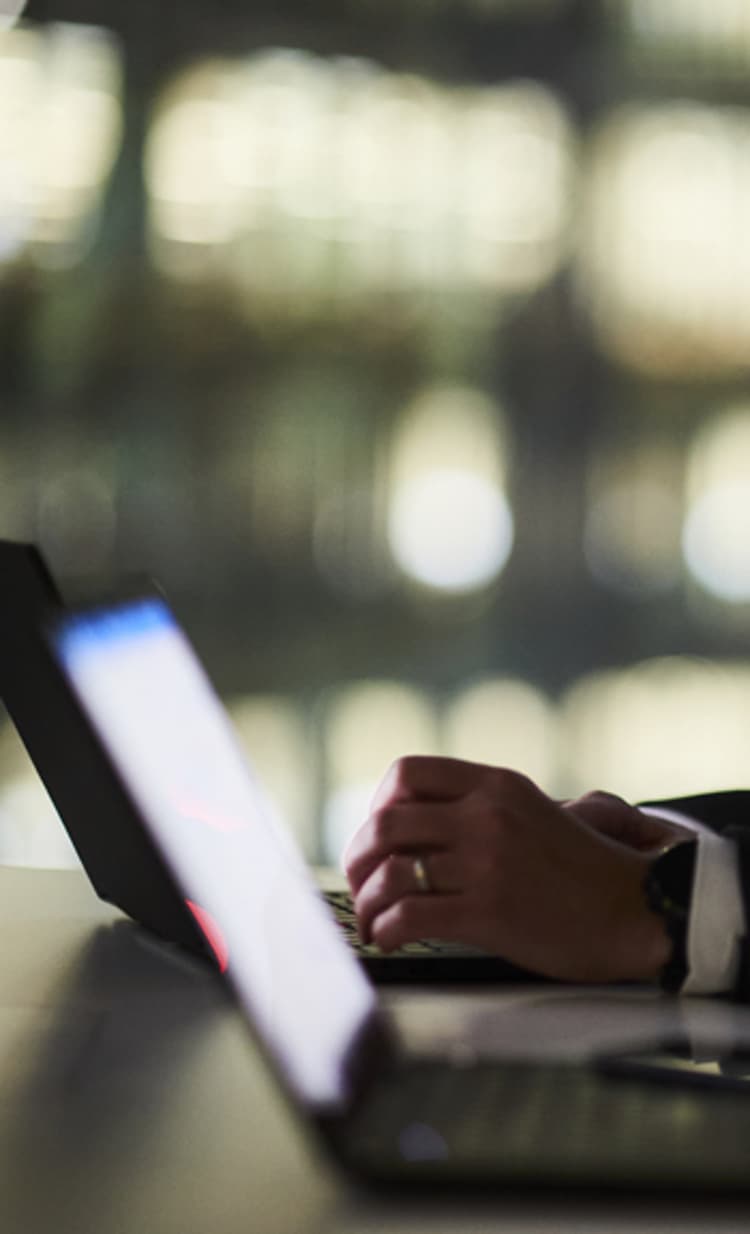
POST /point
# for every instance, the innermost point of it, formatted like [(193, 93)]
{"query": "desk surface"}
[(132, 1100)]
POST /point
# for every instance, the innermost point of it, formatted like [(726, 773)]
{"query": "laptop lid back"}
[(119, 858)]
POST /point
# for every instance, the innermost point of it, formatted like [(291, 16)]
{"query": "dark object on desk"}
[(387, 1116), (101, 816), (680, 1063)]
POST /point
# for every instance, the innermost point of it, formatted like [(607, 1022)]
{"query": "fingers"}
[(398, 829), (414, 917), (442, 816), (394, 880), (461, 818)]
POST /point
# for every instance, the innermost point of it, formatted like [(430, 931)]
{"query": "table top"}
[(133, 1100)]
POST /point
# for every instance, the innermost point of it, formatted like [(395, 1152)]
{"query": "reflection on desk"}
[(132, 1099)]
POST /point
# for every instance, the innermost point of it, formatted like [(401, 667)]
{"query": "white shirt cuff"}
[(717, 914)]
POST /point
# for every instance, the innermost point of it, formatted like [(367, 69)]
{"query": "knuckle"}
[(509, 783), (407, 917), (388, 874), (384, 930), (391, 926), (596, 797), (490, 823), (382, 829), (403, 771)]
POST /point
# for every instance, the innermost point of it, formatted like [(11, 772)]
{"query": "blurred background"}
[(408, 345)]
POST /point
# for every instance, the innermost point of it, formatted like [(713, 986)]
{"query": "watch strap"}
[(668, 889)]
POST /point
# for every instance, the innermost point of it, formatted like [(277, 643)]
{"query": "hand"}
[(554, 887)]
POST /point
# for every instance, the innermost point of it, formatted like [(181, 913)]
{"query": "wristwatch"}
[(669, 888)]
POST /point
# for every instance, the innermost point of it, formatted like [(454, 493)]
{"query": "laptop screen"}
[(174, 748)]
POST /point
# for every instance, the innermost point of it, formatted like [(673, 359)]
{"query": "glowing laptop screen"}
[(174, 748)]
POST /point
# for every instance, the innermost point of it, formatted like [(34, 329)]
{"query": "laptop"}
[(386, 1116), (122, 862)]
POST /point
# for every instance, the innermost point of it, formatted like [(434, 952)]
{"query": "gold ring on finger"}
[(421, 877)]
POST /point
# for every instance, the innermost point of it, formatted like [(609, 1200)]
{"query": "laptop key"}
[(340, 903)]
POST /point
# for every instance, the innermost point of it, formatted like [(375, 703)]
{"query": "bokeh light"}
[(505, 722), (273, 737), (660, 728), (62, 124), (633, 521), (450, 529), (310, 180), (450, 525), (716, 533), (368, 725), (710, 36), (31, 833), (716, 541), (664, 267)]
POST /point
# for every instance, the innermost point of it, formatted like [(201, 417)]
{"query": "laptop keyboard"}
[(564, 1122), (340, 903), (462, 1106)]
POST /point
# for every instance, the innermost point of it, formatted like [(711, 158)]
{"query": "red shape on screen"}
[(198, 811), (212, 934)]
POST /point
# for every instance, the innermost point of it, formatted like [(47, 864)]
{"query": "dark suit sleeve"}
[(729, 814), (719, 811)]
